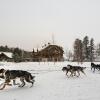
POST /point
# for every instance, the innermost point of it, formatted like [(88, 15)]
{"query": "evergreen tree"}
[(91, 50), (98, 50), (17, 54), (78, 54), (80, 51), (85, 48), (5, 49), (75, 50)]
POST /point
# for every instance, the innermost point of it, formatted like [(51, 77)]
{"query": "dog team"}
[(25, 76)]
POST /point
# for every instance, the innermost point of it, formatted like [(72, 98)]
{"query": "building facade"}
[(49, 53)]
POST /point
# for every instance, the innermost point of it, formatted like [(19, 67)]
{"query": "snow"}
[(52, 84), (8, 54)]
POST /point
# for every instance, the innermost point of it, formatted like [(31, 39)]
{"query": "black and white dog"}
[(9, 75), (95, 66), (73, 70)]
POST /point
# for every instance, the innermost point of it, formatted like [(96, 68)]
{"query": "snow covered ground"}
[(52, 84)]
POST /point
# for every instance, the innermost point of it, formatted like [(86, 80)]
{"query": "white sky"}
[(29, 24)]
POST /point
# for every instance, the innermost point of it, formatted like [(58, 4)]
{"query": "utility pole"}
[(53, 39)]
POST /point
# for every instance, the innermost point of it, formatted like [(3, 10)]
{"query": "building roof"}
[(52, 46), (8, 54)]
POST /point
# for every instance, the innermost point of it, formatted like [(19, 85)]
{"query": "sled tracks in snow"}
[(41, 71)]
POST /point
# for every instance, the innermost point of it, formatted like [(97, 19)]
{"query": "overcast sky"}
[(30, 24)]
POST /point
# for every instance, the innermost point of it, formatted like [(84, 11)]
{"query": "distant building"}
[(6, 56), (49, 53), (27, 56)]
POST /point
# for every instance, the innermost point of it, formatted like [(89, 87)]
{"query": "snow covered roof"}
[(35, 49), (8, 54)]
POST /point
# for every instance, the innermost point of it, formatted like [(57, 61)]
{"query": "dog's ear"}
[(68, 66), (2, 70)]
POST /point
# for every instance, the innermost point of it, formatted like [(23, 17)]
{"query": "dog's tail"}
[(31, 77)]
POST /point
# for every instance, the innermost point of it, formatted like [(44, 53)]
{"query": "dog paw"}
[(9, 84), (17, 84), (1, 89)]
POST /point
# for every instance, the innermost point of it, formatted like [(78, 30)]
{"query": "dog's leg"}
[(66, 73), (4, 85), (94, 69), (74, 73), (78, 73), (32, 82), (1, 84), (91, 68), (14, 83), (23, 83), (7, 81), (71, 73), (83, 72), (29, 81)]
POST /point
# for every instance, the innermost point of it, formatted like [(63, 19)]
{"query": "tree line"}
[(85, 50), (17, 53)]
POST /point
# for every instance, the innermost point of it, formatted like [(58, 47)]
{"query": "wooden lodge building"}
[(49, 53), (6, 56)]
